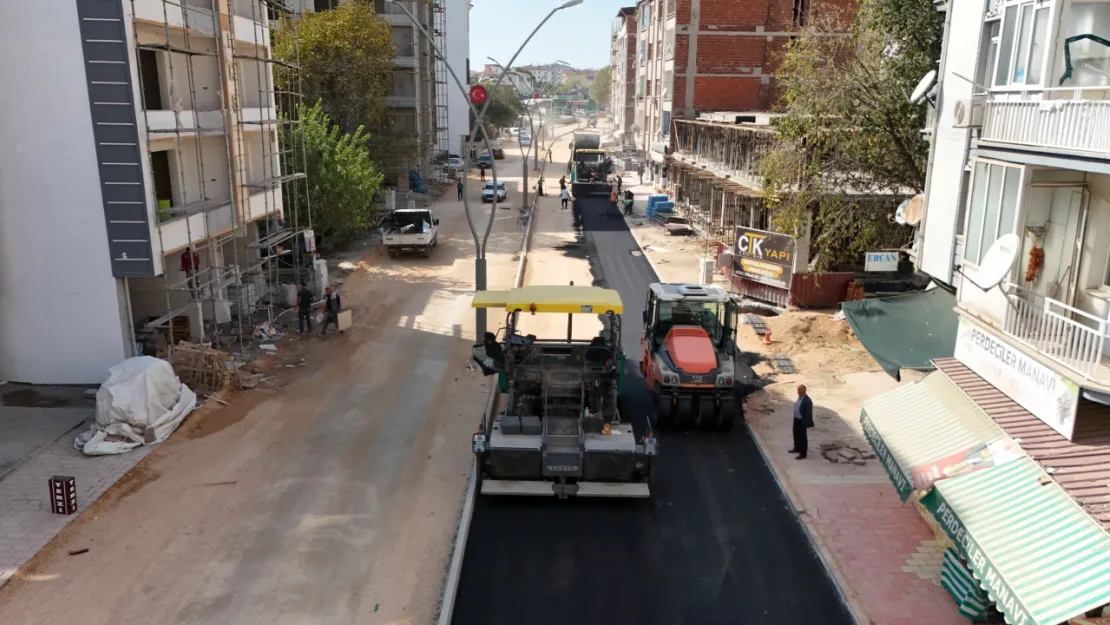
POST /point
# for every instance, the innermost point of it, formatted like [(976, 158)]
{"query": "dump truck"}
[(688, 344), (559, 429), (588, 161)]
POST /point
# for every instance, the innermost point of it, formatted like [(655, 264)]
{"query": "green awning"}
[(930, 430), (959, 582), (907, 331), (1040, 557)]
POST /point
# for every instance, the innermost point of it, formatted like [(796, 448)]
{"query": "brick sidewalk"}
[(882, 553), (26, 522)]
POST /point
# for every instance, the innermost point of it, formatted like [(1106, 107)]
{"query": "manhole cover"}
[(839, 453), (783, 363)]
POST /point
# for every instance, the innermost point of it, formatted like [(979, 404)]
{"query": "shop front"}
[(1019, 547)]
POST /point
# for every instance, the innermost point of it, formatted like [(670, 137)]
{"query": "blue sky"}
[(578, 35)]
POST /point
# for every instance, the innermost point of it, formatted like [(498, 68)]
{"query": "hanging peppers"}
[(1036, 260)]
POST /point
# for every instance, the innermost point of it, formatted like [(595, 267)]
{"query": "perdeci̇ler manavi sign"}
[(1040, 390)]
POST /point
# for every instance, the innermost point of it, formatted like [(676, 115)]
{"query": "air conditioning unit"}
[(968, 113)]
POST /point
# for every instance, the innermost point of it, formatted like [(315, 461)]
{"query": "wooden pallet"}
[(199, 367)]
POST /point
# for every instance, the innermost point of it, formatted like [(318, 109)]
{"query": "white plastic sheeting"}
[(142, 402)]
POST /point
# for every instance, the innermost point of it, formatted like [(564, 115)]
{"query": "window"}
[(645, 15), (990, 44), (643, 53), (650, 51), (666, 123), (1090, 60), (648, 88), (402, 38), (994, 199), (1022, 44), (152, 85), (800, 9)]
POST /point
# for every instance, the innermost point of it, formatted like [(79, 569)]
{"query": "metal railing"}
[(1063, 333), (1069, 119)]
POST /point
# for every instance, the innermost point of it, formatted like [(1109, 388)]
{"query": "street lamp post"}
[(480, 116)]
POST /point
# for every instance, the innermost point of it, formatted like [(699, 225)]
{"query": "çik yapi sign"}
[(764, 257)]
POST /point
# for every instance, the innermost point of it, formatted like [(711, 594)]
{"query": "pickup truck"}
[(410, 230)]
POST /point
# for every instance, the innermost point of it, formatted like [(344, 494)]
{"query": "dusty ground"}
[(331, 500)]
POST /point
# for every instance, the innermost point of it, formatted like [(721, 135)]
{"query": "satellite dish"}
[(998, 261), (923, 87), (913, 211)]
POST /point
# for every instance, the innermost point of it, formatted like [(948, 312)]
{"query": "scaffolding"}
[(442, 136), (220, 297)]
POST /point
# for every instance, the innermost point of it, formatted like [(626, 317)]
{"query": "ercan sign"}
[(764, 257)]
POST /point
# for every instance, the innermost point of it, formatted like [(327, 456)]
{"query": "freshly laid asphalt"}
[(717, 543)]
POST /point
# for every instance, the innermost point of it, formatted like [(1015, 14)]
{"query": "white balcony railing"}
[(1060, 332), (1063, 119)]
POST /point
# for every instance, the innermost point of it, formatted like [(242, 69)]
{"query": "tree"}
[(849, 126), (345, 56), (602, 86), (504, 108), (341, 179)]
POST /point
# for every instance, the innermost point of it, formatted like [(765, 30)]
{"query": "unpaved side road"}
[(331, 501)]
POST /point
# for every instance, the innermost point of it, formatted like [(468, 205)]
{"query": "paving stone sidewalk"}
[(26, 522), (882, 553)]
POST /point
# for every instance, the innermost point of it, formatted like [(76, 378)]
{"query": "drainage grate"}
[(783, 363), (756, 322)]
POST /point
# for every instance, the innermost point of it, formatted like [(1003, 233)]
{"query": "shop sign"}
[(764, 257), (1048, 396), (901, 481), (880, 261), (1003, 596), (984, 456)]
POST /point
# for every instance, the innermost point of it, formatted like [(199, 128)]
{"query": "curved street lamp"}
[(480, 117)]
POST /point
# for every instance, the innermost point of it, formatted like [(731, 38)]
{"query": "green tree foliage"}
[(601, 87), (849, 126), (345, 56), (341, 179), (346, 62)]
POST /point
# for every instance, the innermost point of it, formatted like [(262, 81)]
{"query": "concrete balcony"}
[(209, 219), (164, 124), (1061, 120), (199, 20), (1064, 334)]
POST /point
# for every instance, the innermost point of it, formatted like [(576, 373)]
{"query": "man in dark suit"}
[(803, 420)]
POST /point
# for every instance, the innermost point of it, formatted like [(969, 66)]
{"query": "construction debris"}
[(199, 367)]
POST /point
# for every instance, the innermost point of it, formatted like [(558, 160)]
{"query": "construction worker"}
[(190, 264), (304, 308), (564, 197), (459, 188), (613, 198), (620, 182), (331, 310)]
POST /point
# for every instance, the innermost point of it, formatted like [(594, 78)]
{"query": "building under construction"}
[(152, 187)]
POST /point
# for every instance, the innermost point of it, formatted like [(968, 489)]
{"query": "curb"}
[(458, 550), (857, 612), (854, 609)]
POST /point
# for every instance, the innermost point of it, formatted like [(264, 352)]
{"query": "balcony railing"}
[(1063, 119), (1060, 332)]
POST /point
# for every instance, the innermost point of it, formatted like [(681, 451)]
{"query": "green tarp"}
[(907, 331)]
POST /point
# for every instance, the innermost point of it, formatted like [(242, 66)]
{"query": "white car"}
[(453, 164), (525, 139), (487, 192), (514, 131)]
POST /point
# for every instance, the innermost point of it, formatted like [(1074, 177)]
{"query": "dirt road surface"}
[(331, 501)]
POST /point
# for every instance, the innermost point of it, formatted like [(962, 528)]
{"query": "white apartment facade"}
[(655, 25), (1021, 145), (141, 127)]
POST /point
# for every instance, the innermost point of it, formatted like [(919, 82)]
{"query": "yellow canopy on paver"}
[(552, 299)]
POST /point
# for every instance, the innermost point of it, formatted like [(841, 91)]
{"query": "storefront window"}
[(1090, 59), (1022, 44), (993, 206)]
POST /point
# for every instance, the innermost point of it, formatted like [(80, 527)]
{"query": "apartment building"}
[(141, 128), (1019, 132), (622, 64), (696, 56)]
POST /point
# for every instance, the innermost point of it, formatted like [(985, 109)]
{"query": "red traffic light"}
[(478, 94)]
